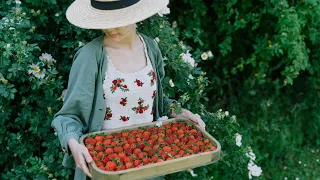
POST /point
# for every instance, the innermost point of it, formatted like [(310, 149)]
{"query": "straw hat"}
[(106, 14)]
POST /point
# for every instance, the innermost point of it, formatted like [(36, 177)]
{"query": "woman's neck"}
[(130, 41)]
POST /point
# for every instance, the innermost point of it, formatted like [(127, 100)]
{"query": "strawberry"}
[(121, 167), (136, 163), (113, 156), (160, 140), (109, 136), (145, 160), (206, 141), (118, 149), (154, 159), (128, 151), (126, 146), (95, 158), (89, 147), (107, 142), (92, 153), (166, 149), (98, 148), (129, 165), (90, 141), (174, 129), (127, 159), (159, 160), (99, 163), (147, 148), (105, 159), (141, 155), (136, 151), (181, 152), (99, 138), (180, 131), (109, 151), (125, 133), (131, 140), (193, 131), (122, 156), (196, 149), (111, 166), (146, 134)]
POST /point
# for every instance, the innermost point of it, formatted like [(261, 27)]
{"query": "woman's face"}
[(120, 33)]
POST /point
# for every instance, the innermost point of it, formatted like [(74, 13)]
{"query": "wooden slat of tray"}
[(157, 169)]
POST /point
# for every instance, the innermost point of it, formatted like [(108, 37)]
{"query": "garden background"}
[(250, 68)]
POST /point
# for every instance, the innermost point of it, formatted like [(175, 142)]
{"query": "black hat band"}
[(112, 5)]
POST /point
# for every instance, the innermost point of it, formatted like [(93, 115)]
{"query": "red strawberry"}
[(166, 149), (118, 149), (125, 86), (105, 159), (146, 160), (98, 148), (139, 102), (136, 163), (154, 159), (129, 165), (109, 151), (111, 166), (114, 82), (90, 147)]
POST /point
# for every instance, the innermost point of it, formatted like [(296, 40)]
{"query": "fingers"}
[(196, 118), (87, 156), (83, 166)]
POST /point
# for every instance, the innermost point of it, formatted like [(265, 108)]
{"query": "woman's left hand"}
[(186, 114)]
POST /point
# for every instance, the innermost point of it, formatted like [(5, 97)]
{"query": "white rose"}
[(204, 56)]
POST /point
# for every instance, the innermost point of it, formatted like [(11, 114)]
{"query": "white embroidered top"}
[(129, 96)]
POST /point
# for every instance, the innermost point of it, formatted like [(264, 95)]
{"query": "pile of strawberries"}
[(134, 148)]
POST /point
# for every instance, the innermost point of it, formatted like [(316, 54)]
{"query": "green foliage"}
[(265, 70)]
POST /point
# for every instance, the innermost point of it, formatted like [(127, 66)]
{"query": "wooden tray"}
[(156, 169)]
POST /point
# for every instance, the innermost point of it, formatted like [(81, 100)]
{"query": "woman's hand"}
[(186, 114), (81, 155)]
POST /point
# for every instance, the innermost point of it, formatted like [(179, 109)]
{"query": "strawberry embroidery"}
[(108, 114), (118, 83), (124, 118), (140, 108), (153, 77), (154, 94), (139, 83), (123, 101)]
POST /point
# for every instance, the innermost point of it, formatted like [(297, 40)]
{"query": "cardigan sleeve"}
[(160, 67), (72, 119)]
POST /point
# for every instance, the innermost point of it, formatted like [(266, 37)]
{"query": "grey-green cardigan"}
[(83, 109)]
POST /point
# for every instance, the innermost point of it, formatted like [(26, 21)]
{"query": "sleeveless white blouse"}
[(129, 96)]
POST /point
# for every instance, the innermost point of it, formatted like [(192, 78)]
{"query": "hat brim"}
[(80, 13)]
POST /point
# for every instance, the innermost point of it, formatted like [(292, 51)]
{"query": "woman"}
[(115, 80)]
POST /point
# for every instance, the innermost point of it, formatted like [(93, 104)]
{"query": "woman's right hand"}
[(81, 155)]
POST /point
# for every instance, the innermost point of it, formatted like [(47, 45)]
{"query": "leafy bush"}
[(265, 70)]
